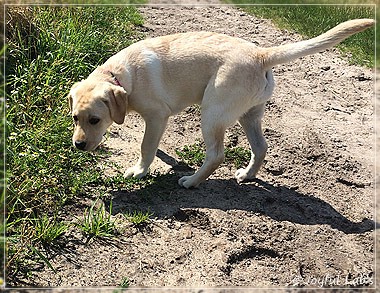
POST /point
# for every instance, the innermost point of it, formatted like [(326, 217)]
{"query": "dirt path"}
[(308, 220)]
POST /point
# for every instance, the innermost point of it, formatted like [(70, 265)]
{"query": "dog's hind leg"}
[(251, 123)]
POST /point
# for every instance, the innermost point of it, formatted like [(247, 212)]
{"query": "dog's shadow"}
[(164, 198)]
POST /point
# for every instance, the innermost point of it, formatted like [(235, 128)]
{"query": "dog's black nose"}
[(80, 145)]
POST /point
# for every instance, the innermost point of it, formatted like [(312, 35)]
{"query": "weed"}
[(118, 181), (194, 155), (123, 285), (237, 156), (48, 230), (124, 282), (138, 218), (96, 222)]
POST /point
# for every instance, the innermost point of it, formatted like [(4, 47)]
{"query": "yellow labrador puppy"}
[(229, 77)]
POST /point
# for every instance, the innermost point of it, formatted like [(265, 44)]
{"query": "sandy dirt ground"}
[(307, 221)]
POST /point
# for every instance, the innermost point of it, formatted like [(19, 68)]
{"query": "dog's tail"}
[(286, 53)]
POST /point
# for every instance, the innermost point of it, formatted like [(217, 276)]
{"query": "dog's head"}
[(94, 107)]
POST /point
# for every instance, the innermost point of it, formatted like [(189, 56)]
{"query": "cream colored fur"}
[(229, 77)]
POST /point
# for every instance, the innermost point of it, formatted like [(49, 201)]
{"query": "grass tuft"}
[(194, 155), (125, 282), (237, 156), (96, 223), (138, 218), (48, 230)]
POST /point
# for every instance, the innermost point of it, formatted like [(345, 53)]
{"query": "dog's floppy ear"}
[(70, 101), (117, 104), (70, 97)]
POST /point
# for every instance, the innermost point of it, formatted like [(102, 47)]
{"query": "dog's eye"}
[(75, 118), (94, 121)]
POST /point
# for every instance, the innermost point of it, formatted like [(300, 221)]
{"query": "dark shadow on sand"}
[(280, 203)]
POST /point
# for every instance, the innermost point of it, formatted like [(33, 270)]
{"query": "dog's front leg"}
[(213, 134), (154, 128)]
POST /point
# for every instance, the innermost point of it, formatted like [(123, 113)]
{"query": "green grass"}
[(125, 282), (47, 229), (194, 155), (96, 222), (312, 20), (2, 173), (49, 49), (237, 156), (138, 218), (41, 162)]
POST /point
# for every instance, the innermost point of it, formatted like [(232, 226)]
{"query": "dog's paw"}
[(242, 175), (136, 172), (188, 182)]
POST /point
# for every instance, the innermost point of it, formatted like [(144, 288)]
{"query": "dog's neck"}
[(107, 75)]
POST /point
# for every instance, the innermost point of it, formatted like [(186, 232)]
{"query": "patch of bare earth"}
[(306, 222)]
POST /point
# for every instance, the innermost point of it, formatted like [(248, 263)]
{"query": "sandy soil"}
[(308, 221)]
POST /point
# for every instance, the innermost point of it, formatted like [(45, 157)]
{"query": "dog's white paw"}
[(188, 182), (136, 172), (242, 175)]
